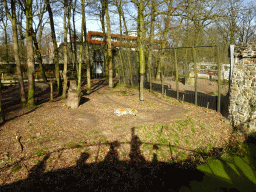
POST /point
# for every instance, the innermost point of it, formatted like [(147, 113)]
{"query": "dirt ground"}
[(53, 129)]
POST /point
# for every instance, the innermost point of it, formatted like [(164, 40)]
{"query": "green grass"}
[(73, 144), (40, 152), (233, 172), (16, 169), (93, 132), (104, 106), (50, 160), (102, 139), (202, 126)]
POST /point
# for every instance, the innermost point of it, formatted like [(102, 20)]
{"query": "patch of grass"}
[(106, 105), (208, 148), (31, 138), (39, 152), (122, 135), (202, 126), (37, 161), (102, 139), (193, 130), (187, 111), (183, 123), (162, 154), (79, 150), (94, 132), (162, 140), (50, 160), (182, 156), (145, 146), (16, 169), (73, 144), (32, 127), (238, 148)]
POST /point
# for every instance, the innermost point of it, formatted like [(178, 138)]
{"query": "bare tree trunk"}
[(151, 40), (129, 49), (74, 27), (121, 68), (87, 59), (102, 20), (79, 76), (65, 52), (16, 48), (30, 55), (56, 54), (6, 42), (141, 49), (37, 44), (109, 57), (21, 37), (39, 56)]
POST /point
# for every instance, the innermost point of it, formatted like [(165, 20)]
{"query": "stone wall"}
[(242, 108)]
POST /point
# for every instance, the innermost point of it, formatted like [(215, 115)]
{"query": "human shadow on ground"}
[(113, 174)]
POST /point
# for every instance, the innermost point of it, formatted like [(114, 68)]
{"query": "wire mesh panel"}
[(190, 74)]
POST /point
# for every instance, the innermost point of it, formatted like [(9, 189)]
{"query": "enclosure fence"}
[(198, 75)]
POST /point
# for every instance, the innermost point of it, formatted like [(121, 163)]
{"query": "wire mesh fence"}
[(198, 75)]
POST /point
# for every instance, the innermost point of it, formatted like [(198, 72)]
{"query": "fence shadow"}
[(203, 100)]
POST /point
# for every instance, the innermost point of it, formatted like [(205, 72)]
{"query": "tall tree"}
[(6, 40), (103, 25), (65, 51), (87, 59), (37, 42), (56, 51), (109, 48), (247, 26), (141, 32), (75, 64), (30, 54), (12, 17), (79, 76), (151, 40)]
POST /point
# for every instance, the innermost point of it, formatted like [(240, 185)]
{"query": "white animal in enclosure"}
[(123, 111)]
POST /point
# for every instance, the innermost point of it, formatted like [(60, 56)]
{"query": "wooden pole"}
[(51, 88), (219, 79), (1, 110)]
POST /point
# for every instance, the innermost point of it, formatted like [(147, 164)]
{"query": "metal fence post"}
[(195, 71), (177, 73), (219, 79)]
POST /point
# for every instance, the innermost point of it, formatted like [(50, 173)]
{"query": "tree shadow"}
[(236, 172), (11, 102), (135, 174)]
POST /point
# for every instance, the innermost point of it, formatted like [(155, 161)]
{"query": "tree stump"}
[(74, 97), (72, 85)]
